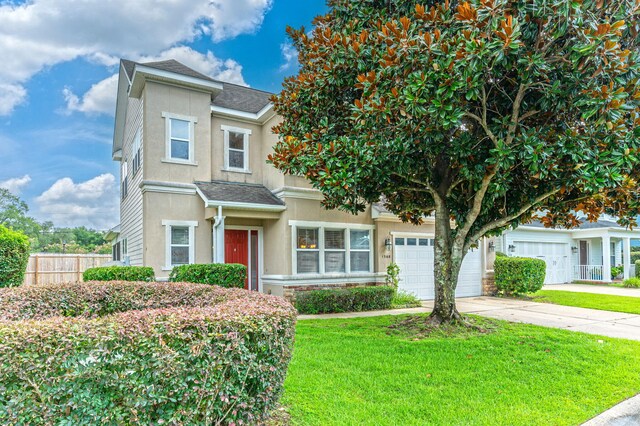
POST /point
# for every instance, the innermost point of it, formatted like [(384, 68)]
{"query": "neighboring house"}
[(196, 188), (586, 253)]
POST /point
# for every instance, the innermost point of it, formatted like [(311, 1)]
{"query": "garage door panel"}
[(416, 270)]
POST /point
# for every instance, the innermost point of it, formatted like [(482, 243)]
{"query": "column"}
[(626, 256), (606, 259)]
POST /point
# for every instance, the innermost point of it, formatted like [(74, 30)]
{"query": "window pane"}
[(236, 159), (423, 242), (308, 262), (179, 129), (179, 149), (360, 261), (179, 235), (399, 241), (236, 140), (307, 238), (334, 239), (334, 261), (359, 240), (179, 255), (411, 241)]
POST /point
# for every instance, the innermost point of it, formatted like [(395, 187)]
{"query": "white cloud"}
[(290, 56), (11, 95), (42, 33), (15, 185), (93, 203), (101, 97)]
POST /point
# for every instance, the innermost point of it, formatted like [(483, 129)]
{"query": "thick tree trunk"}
[(447, 261)]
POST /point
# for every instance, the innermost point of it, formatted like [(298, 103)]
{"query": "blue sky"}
[(57, 85)]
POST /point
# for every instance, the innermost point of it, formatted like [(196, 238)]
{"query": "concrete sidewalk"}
[(627, 413), (597, 289), (605, 323)]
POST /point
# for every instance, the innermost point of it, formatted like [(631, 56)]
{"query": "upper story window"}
[(124, 179), (236, 149), (136, 152), (179, 146)]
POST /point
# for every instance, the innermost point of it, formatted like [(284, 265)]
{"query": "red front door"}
[(236, 248)]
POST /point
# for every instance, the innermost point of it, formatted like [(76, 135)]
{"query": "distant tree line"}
[(44, 236)]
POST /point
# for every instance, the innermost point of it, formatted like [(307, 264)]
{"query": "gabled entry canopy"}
[(239, 196)]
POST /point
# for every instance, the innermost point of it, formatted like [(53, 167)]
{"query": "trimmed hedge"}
[(519, 275), (229, 275), (119, 273), (14, 256), (353, 299), (141, 353)]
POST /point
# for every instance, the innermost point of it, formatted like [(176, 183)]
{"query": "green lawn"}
[(354, 372), (603, 302)]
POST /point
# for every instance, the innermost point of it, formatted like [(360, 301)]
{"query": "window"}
[(180, 244), (180, 140), (125, 249), (330, 249), (236, 148), (360, 250), (137, 154), (334, 250), (124, 179), (115, 252), (308, 251), (613, 254)]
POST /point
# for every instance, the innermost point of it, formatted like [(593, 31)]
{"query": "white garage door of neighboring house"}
[(554, 254), (414, 257)]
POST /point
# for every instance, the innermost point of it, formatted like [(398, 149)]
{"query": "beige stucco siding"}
[(131, 212), (176, 207), (271, 177), (163, 98)]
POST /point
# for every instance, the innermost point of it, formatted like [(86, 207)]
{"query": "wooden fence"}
[(47, 268)]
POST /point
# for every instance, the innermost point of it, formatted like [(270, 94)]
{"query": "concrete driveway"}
[(612, 324), (597, 289)]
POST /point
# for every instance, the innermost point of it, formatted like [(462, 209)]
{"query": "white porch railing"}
[(632, 270), (587, 272)]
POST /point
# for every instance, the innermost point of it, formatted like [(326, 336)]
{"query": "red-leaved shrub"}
[(141, 353)]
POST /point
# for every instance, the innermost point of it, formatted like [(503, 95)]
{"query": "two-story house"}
[(196, 188)]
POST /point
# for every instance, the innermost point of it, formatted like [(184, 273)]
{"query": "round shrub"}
[(631, 282), (119, 273), (519, 275), (14, 256), (141, 353)]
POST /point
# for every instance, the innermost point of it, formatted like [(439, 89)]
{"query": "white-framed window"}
[(179, 145), (331, 248), (180, 242), (136, 152), (236, 149), (115, 252), (124, 179)]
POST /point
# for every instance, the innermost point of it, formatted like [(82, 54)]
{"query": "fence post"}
[(78, 267), (35, 273)]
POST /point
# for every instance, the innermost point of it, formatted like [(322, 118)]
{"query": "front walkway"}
[(605, 323), (597, 289)]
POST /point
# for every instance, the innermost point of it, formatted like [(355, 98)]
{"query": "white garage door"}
[(555, 256), (414, 257)]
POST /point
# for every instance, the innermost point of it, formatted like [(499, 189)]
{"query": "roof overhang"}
[(260, 117), (121, 113), (142, 73), (238, 205), (112, 233)]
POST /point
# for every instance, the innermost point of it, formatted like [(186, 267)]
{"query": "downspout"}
[(218, 237)]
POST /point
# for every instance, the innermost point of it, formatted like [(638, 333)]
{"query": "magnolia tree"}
[(478, 113)]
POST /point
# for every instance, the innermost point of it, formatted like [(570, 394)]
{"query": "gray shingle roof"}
[(233, 96), (242, 98), (235, 192)]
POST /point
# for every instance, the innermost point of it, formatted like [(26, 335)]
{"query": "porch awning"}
[(239, 196)]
